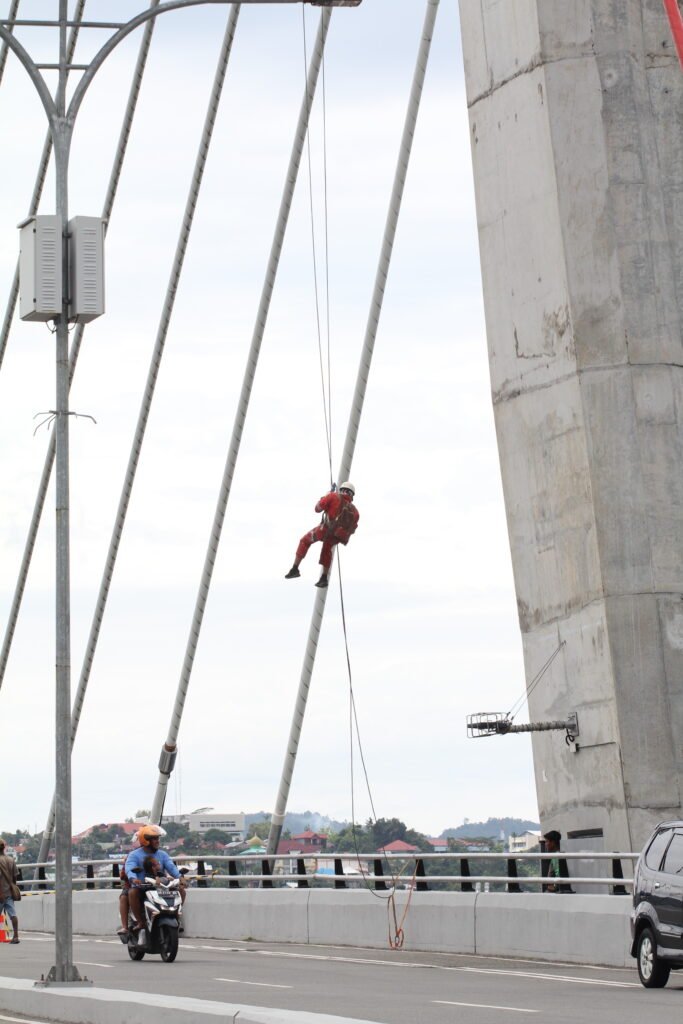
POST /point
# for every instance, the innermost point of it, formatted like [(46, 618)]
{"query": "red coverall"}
[(342, 520)]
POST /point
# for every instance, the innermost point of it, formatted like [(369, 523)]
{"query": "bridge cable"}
[(107, 208), (4, 49), (160, 342), (169, 748), (4, 335)]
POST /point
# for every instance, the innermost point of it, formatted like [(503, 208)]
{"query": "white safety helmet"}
[(348, 486)]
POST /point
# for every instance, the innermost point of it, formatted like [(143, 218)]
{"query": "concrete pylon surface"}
[(576, 117)]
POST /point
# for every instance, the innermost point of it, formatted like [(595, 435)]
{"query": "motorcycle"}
[(162, 906)]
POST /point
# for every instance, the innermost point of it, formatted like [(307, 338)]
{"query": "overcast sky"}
[(431, 614)]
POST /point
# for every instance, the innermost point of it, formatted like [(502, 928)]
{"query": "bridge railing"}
[(519, 872)]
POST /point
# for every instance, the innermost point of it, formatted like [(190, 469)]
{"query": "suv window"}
[(673, 865), (655, 851)]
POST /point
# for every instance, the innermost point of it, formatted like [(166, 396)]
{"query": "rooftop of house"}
[(399, 846)]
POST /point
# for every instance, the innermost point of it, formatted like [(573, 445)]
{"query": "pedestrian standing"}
[(9, 890)]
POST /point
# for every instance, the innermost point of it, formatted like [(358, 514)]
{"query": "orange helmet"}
[(147, 833)]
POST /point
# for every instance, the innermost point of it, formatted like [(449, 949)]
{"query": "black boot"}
[(322, 582), (293, 573)]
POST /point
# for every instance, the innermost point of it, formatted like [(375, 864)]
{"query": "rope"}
[(357, 402), (397, 938), (325, 386)]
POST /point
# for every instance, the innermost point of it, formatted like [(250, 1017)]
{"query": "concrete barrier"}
[(545, 926)]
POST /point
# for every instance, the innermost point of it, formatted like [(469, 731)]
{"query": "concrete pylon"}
[(576, 116)]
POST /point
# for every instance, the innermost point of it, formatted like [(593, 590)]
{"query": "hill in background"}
[(296, 823), (490, 829)]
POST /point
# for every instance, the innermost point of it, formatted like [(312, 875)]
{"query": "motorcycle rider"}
[(149, 837)]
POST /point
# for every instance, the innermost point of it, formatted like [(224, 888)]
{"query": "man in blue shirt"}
[(149, 837)]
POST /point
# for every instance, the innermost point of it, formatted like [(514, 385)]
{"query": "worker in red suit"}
[(340, 519)]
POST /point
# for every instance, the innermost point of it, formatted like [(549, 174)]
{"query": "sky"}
[(427, 582)]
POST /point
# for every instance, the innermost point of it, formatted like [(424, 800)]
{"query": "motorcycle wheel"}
[(134, 953), (168, 943)]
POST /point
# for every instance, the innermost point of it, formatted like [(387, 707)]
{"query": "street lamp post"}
[(61, 120)]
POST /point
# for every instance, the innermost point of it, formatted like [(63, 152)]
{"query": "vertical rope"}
[(355, 414), (325, 386)]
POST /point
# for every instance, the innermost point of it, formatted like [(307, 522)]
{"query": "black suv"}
[(657, 914)]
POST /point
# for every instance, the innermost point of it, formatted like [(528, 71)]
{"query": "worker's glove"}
[(342, 535)]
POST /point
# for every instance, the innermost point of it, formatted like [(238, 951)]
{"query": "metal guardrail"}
[(365, 870)]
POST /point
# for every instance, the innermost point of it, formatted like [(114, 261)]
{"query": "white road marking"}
[(23, 1020), (90, 963), (261, 984), (442, 967), (484, 1006), (538, 975)]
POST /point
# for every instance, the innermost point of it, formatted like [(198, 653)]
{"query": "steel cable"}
[(4, 49), (107, 209), (241, 414)]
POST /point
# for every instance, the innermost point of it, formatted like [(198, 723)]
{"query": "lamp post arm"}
[(162, 8), (13, 44)]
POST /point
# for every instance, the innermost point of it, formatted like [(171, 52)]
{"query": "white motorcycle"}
[(162, 907)]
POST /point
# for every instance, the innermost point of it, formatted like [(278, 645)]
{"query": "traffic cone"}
[(4, 929)]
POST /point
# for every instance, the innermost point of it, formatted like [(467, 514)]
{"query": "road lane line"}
[(23, 1020), (463, 970), (484, 1006), (261, 984), (90, 963)]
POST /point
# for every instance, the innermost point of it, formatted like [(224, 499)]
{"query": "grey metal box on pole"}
[(86, 269), (40, 268)]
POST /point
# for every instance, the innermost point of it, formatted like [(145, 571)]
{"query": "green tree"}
[(352, 839), (174, 830), (216, 836), (260, 829)]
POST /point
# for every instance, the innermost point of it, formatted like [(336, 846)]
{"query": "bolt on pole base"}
[(74, 978)]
